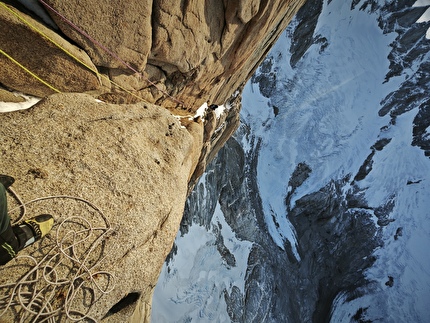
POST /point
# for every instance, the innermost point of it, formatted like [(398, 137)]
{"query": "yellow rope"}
[(29, 72), (65, 51)]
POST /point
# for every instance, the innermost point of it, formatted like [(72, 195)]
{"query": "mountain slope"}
[(324, 189)]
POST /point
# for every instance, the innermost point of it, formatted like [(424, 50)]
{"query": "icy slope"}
[(328, 107)]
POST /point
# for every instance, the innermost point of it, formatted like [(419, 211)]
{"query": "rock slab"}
[(26, 42), (131, 161)]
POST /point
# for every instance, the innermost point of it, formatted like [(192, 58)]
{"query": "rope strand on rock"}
[(95, 71), (21, 204), (28, 71), (107, 50)]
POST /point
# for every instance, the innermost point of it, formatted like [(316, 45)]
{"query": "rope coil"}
[(66, 279)]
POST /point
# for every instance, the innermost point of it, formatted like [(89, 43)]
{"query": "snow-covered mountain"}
[(318, 209)]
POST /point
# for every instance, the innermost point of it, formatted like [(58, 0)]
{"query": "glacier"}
[(317, 210)]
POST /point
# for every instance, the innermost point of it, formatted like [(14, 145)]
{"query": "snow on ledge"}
[(15, 106), (28, 103), (201, 111), (218, 109)]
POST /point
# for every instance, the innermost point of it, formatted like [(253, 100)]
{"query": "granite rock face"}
[(196, 51), (136, 155), (133, 162), (21, 39), (185, 53), (193, 51)]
